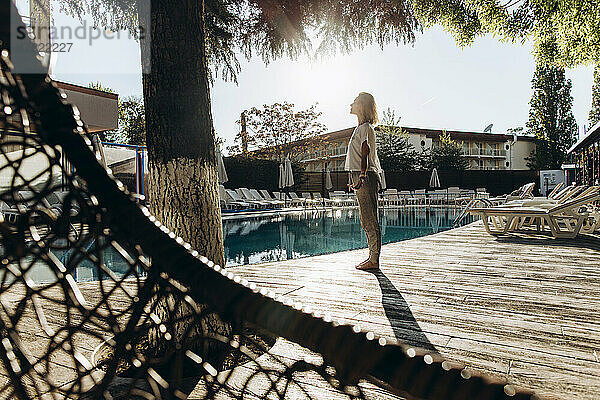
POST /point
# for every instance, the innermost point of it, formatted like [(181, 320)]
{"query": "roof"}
[(87, 90), (592, 136), (435, 133), (430, 133)]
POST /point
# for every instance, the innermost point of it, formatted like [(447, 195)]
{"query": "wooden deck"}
[(521, 307)]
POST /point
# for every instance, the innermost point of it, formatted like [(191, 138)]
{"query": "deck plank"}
[(522, 307), (519, 307)]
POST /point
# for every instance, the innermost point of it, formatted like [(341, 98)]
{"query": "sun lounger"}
[(9, 214), (390, 197), (235, 197), (438, 196), (245, 195), (267, 196), (340, 198), (564, 220), (228, 203), (525, 191), (325, 202), (309, 200), (558, 198), (297, 200), (257, 196)]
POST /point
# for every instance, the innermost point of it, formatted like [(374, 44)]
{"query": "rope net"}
[(99, 300)]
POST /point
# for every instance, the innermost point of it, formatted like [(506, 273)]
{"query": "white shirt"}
[(361, 133)]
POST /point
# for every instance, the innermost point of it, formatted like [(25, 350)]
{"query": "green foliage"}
[(564, 33), (516, 131), (98, 86), (448, 156), (272, 128), (594, 115), (395, 152), (271, 29), (551, 119), (132, 123)]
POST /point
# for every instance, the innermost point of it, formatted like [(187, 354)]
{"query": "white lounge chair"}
[(324, 201), (524, 192), (274, 203), (341, 198), (564, 220), (9, 214), (267, 196), (390, 197), (234, 196), (228, 203), (245, 194), (309, 200), (297, 200)]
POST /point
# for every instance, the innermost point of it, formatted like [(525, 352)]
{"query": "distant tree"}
[(551, 119), (274, 127), (98, 86), (132, 123), (516, 131), (448, 156), (395, 151), (594, 115)]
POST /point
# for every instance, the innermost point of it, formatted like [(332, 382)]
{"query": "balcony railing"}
[(313, 155), (485, 152)]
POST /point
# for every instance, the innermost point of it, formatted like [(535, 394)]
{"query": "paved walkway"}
[(521, 307)]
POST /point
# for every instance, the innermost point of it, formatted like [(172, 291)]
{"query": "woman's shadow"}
[(405, 326)]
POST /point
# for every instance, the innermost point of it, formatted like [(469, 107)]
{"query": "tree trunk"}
[(182, 187)]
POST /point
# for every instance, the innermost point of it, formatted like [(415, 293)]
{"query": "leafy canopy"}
[(594, 115), (98, 86), (273, 128), (395, 151), (564, 32), (447, 156), (132, 123), (551, 118)]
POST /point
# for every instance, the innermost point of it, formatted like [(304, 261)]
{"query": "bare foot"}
[(365, 265)]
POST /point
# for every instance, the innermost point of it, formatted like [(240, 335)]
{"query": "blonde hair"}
[(368, 108)]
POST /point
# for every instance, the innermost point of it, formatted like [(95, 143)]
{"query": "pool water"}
[(252, 240), (287, 236)]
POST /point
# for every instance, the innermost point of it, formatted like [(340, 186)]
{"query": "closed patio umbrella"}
[(328, 183), (221, 168), (383, 182), (281, 176), (288, 173), (434, 181)]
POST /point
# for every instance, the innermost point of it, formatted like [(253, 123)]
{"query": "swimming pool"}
[(286, 236), (275, 237)]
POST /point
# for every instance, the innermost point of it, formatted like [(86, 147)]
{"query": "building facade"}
[(586, 156), (483, 150)]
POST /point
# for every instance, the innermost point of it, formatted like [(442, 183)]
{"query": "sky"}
[(431, 84)]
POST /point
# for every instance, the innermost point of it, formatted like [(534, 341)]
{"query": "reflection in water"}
[(264, 239)]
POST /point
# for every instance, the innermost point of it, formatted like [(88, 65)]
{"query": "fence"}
[(167, 293), (495, 181)]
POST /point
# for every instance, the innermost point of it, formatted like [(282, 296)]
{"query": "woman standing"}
[(365, 170)]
